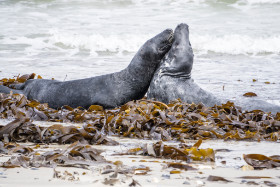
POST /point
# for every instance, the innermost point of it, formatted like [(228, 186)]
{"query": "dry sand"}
[(228, 164)]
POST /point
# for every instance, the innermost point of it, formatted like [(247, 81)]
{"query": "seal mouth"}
[(168, 42), (170, 37)]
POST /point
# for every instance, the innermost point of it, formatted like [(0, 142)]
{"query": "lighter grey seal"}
[(172, 79)]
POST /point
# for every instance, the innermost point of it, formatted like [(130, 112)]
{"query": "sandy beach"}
[(229, 165)]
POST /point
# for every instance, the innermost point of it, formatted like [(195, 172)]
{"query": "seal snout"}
[(182, 34), (183, 26), (167, 40), (182, 29), (170, 36)]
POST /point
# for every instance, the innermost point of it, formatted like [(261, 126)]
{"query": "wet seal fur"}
[(172, 79), (109, 90)]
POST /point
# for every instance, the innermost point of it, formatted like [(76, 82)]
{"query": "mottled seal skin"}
[(172, 79), (109, 90)]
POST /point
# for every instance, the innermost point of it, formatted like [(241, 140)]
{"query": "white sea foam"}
[(72, 43), (98, 42), (196, 1), (246, 5), (31, 46), (180, 2), (236, 44), (254, 2), (171, 2), (229, 44)]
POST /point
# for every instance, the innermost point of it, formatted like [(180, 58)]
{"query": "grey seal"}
[(172, 79), (110, 90)]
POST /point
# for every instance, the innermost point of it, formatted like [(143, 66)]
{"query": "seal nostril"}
[(169, 30)]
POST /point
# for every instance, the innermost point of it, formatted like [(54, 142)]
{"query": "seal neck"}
[(141, 68), (177, 75)]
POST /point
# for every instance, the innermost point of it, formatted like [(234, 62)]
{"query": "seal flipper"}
[(5, 89)]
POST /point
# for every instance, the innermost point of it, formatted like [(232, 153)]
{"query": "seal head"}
[(172, 79), (153, 50), (179, 60), (160, 44)]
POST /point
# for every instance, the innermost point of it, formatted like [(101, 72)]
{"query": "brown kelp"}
[(146, 119), (185, 153), (75, 155), (22, 130), (259, 161), (143, 119)]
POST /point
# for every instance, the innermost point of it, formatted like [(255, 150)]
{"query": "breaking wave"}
[(237, 44), (247, 2), (72, 43), (252, 2), (98, 43), (229, 44)]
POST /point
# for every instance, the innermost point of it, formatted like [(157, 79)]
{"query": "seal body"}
[(109, 90), (172, 79)]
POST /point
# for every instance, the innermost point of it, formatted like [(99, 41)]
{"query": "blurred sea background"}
[(234, 41)]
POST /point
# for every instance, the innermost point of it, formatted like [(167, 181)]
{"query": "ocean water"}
[(234, 41)]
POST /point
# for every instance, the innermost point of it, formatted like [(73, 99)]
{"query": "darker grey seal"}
[(109, 90), (172, 79)]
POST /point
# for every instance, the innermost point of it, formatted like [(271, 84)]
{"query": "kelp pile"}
[(82, 155), (76, 155), (147, 119), (259, 161), (22, 130), (184, 152), (143, 119), (19, 79)]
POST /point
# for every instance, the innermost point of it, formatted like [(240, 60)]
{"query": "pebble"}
[(166, 176), (186, 183)]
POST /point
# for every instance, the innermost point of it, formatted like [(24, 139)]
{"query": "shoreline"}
[(157, 174)]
